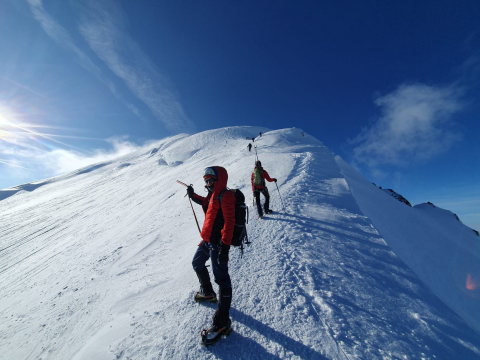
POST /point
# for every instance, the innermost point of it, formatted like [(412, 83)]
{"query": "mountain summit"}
[(96, 264)]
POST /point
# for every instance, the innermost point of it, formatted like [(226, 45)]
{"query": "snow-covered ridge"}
[(438, 247), (397, 196), (96, 264), (440, 212)]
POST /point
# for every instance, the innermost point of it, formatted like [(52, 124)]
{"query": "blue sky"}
[(391, 86)]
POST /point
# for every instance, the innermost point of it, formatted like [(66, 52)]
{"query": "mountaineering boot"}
[(222, 325), (201, 296), (268, 211), (206, 292), (212, 335)]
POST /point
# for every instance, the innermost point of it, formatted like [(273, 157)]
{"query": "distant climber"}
[(260, 134), (303, 134), (253, 139), (217, 235), (249, 147), (259, 175)]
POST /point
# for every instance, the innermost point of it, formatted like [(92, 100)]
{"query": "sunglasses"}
[(209, 181)]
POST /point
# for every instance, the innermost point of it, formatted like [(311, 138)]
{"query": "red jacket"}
[(265, 176), (219, 221)]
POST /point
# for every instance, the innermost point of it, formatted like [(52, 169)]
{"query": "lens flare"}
[(471, 284)]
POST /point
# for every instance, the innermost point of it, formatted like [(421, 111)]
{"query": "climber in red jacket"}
[(217, 235)]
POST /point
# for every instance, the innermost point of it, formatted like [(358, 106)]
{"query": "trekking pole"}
[(198, 226), (280, 197)]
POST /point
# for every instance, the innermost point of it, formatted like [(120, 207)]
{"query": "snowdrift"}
[(96, 264)]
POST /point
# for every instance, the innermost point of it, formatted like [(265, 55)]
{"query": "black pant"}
[(265, 193), (220, 271), (221, 277)]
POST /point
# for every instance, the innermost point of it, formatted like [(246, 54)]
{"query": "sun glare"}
[(5, 125), (5, 113), (3, 134)]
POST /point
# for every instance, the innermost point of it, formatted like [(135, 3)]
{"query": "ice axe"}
[(198, 226)]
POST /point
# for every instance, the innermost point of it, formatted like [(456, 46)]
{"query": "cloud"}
[(61, 161), (14, 164), (415, 125), (22, 136), (102, 25), (27, 154), (24, 87), (62, 36), (27, 161)]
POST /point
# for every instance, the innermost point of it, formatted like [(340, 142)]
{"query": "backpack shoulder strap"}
[(220, 197)]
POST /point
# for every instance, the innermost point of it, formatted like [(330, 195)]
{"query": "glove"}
[(190, 191), (223, 250), (274, 179)]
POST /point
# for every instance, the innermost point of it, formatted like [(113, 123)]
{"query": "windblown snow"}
[(96, 264)]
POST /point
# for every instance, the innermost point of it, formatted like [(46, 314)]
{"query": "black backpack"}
[(240, 236)]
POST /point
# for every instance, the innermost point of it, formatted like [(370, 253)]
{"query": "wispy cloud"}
[(415, 125), (102, 25), (62, 161), (9, 163), (20, 137), (24, 159), (27, 154), (24, 87), (62, 36)]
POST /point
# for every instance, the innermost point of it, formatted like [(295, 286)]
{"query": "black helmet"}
[(258, 163)]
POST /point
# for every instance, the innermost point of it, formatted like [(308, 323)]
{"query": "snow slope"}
[(96, 264), (442, 251)]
